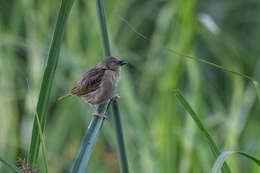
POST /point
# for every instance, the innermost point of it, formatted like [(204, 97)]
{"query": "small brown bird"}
[(99, 83)]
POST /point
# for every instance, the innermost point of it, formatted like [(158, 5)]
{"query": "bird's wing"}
[(90, 82)]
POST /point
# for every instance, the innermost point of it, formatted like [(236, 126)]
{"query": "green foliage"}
[(47, 81), (42, 143), (10, 165), (159, 138), (89, 141), (198, 122), (221, 159)]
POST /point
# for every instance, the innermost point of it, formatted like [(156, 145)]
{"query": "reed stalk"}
[(49, 72), (91, 135)]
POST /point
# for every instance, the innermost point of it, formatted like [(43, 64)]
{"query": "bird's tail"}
[(63, 97)]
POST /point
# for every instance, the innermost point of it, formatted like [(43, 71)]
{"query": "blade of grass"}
[(41, 135), (48, 79), (87, 145), (10, 165), (42, 144), (252, 80), (198, 122), (224, 155), (89, 140)]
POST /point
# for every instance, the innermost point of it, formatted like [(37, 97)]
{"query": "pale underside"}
[(106, 89)]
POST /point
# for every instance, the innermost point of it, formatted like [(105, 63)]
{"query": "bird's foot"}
[(101, 115), (115, 97)]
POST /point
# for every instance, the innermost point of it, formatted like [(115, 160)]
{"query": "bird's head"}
[(111, 63)]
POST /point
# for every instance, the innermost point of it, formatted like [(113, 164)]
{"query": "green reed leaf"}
[(224, 155), (89, 140), (47, 81), (200, 125), (42, 144)]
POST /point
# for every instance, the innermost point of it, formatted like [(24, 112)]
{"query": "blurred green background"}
[(160, 136)]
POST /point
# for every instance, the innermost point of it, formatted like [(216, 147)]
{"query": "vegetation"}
[(152, 36)]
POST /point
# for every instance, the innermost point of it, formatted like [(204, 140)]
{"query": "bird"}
[(99, 83)]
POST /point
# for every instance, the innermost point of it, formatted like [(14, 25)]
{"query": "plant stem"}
[(195, 117), (48, 77), (119, 131), (103, 27), (120, 139), (96, 123), (89, 140)]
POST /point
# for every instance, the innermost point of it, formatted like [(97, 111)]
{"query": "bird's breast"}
[(110, 79), (106, 89)]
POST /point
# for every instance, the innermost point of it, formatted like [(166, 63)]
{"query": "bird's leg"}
[(101, 115), (104, 115), (96, 113), (95, 109)]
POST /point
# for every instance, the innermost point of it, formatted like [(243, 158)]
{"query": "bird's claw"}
[(115, 97)]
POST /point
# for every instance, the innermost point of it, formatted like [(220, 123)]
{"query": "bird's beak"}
[(121, 63)]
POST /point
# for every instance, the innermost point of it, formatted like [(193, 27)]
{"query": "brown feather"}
[(99, 83), (90, 82)]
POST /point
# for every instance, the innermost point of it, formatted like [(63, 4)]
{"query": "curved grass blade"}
[(10, 165), (89, 140), (252, 80), (198, 122), (87, 145), (48, 79), (221, 159)]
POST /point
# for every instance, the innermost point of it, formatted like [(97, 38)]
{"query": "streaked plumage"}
[(99, 83), (90, 82)]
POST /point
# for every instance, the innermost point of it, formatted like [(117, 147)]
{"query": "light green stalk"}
[(53, 57), (211, 142)]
